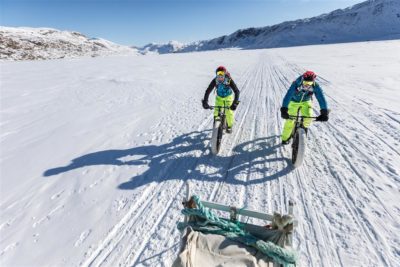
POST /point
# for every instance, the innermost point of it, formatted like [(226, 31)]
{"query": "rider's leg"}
[(289, 124), (218, 102), (230, 116), (306, 110)]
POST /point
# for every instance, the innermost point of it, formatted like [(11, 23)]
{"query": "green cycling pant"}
[(305, 110), (225, 101)]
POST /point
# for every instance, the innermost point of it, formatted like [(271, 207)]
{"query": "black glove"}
[(234, 105), (284, 113), (205, 104), (323, 116)]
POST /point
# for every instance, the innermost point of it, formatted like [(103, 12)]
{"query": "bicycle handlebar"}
[(225, 107), (304, 117)]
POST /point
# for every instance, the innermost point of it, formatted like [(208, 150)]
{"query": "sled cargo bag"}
[(216, 250), (209, 240)]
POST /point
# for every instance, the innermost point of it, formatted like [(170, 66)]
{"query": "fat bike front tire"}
[(216, 137), (299, 147)]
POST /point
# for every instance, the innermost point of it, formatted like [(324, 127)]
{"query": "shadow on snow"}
[(187, 157)]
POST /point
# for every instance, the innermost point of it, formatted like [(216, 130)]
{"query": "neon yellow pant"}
[(305, 110), (225, 101)]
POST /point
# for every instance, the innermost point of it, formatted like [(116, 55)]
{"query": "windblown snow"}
[(95, 153)]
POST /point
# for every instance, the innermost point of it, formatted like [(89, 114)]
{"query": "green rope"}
[(234, 230)]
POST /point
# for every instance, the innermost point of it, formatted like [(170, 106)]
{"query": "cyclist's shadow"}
[(256, 156), (150, 154), (185, 158), (257, 161)]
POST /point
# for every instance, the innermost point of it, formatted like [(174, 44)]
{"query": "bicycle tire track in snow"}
[(135, 141), (239, 172)]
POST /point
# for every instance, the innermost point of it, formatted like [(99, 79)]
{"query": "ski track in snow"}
[(345, 192), (247, 124)]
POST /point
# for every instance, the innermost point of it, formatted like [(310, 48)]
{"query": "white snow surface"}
[(24, 43), (369, 20), (95, 153)]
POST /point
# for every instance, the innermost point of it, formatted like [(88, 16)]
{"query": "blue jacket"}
[(223, 89), (296, 94)]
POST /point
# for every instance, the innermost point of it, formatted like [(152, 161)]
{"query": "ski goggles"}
[(221, 73), (307, 84)]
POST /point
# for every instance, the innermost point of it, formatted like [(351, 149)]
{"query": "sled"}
[(211, 240)]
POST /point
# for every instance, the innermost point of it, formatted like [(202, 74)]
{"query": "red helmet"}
[(309, 76), (221, 68)]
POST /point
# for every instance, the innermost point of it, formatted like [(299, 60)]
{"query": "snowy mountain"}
[(170, 47), (95, 153), (45, 43), (370, 20)]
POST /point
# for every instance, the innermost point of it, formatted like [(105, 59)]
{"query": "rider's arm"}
[(289, 95), (209, 89), (319, 94), (235, 90)]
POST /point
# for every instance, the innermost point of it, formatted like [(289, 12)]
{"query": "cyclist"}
[(225, 87), (298, 96)]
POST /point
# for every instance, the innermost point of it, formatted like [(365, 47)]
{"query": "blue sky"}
[(138, 22)]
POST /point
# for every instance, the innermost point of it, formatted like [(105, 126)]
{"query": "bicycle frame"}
[(221, 109), (299, 120), (221, 113), (219, 128), (298, 144)]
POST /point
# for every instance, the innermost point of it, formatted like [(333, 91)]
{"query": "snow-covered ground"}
[(95, 152)]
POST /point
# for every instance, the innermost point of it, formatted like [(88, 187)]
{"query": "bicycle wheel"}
[(221, 129), (219, 138), (298, 147), (216, 137)]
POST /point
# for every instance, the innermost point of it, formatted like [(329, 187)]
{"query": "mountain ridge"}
[(25, 43), (366, 21)]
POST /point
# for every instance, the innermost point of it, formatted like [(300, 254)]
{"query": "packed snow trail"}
[(107, 145)]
